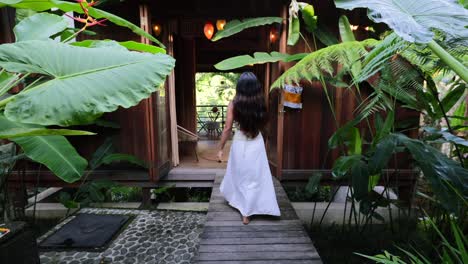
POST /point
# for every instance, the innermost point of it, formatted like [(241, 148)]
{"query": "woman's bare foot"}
[(245, 220)]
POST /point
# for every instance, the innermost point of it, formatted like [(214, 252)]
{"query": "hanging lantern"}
[(208, 29), (220, 23), (274, 34), (157, 29)]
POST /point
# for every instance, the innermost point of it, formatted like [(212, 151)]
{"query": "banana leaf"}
[(82, 82), (235, 26), (55, 152), (258, 58)]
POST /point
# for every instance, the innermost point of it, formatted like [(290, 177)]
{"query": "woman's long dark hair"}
[(249, 105)]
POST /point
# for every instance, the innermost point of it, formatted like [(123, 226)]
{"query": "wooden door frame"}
[(145, 24), (171, 106)]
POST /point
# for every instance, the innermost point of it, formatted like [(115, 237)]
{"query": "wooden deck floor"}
[(265, 239)]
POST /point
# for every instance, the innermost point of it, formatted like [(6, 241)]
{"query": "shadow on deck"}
[(266, 239)]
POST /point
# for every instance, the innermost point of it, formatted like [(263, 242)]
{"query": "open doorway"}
[(213, 91)]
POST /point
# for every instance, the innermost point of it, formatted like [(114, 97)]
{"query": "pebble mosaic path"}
[(151, 237)]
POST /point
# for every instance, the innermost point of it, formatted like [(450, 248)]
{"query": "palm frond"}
[(323, 62)]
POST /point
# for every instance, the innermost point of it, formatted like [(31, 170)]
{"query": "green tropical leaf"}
[(55, 152), (294, 30), (414, 20), (313, 184), (344, 164), (325, 36), (447, 136), (21, 14), (453, 96), (43, 5), (121, 157), (346, 32), (28, 132), (309, 17), (342, 133), (40, 26), (354, 141), (380, 55), (6, 81), (323, 62), (83, 84), (382, 154), (102, 151), (373, 180), (458, 119), (130, 45), (448, 180), (236, 26), (258, 58), (386, 127)]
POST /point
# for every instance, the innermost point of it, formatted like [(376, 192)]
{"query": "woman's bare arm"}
[(227, 129)]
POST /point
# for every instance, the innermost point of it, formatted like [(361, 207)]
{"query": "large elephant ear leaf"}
[(235, 26), (65, 6), (39, 27), (414, 20), (82, 82), (55, 152)]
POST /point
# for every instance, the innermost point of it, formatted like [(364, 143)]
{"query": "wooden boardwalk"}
[(266, 239)]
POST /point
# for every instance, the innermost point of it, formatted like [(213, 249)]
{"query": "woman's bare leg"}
[(245, 220)]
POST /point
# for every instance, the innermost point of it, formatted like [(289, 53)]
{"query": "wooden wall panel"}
[(7, 22), (185, 83)]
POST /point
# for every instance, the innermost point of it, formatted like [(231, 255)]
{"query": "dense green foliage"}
[(63, 88), (215, 88)]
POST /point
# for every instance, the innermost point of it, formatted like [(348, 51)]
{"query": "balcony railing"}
[(211, 120)]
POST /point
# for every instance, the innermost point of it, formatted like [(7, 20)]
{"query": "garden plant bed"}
[(337, 245)]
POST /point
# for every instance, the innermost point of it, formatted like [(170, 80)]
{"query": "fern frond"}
[(321, 63), (429, 62), (404, 82), (375, 102), (377, 58)]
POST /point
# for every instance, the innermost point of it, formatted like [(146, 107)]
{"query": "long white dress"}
[(247, 184)]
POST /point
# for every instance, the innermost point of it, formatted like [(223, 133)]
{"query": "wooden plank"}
[(259, 222), (259, 248), (228, 208), (252, 228), (266, 239), (255, 241), (266, 255), (186, 184), (190, 177), (235, 215), (253, 234), (280, 261), (218, 202)]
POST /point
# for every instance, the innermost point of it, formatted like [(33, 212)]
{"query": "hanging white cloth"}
[(248, 184)]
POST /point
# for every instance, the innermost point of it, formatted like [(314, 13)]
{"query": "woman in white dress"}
[(248, 184)]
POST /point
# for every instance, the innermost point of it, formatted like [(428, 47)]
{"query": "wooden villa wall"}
[(298, 146), (7, 20)]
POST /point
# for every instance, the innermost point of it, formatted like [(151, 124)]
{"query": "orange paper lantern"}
[(220, 23), (208, 29), (157, 30), (274, 35)]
